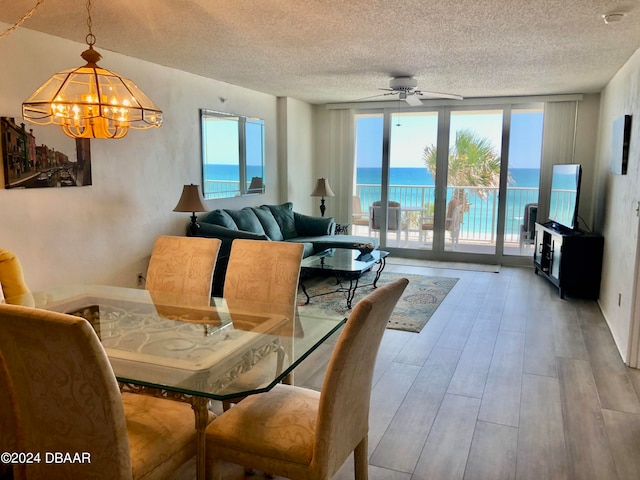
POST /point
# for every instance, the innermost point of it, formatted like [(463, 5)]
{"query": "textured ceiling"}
[(324, 51)]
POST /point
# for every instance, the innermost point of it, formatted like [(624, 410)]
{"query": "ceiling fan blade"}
[(372, 96), (413, 100), (452, 96)]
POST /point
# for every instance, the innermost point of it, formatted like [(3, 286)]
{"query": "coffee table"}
[(344, 264)]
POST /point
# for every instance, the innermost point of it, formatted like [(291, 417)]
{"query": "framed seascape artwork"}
[(42, 158)]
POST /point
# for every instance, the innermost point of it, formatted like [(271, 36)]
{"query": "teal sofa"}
[(271, 222)]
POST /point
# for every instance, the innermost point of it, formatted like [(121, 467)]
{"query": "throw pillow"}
[(220, 217), (246, 220), (268, 221), (308, 226), (284, 216)]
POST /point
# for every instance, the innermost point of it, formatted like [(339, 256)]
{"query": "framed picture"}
[(620, 139), (42, 158)]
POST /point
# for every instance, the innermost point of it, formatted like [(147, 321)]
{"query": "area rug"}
[(419, 301)]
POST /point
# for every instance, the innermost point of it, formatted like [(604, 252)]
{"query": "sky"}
[(221, 140), (410, 133)]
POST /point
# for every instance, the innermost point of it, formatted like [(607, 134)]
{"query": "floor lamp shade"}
[(322, 189), (191, 201)]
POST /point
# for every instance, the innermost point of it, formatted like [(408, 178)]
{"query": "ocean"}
[(480, 218), (522, 177)]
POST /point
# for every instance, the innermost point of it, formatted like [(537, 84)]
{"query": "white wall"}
[(616, 216), (585, 154), (104, 233), (296, 154)]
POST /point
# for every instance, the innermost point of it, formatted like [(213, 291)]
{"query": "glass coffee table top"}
[(343, 260)]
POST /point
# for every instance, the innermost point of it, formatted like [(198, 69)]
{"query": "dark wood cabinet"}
[(571, 260)]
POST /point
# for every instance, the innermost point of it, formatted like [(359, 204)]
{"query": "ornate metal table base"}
[(353, 277)]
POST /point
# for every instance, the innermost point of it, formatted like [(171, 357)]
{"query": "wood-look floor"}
[(506, 381)]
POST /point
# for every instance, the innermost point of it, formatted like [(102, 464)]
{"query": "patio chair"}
[(358, 216), (528, 226), (256, 185), (452, 222), (395, 223)]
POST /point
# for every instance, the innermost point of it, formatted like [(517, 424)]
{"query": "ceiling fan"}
[(405, 87)]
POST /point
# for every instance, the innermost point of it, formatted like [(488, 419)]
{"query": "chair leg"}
[(361, 460)]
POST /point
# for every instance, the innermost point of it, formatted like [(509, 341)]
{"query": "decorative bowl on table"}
[(365, 248)]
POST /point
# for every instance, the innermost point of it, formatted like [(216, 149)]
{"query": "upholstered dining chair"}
[(8, 425), (11, 275), (302, 434), (183, 265), (263, 272), (67, 400)]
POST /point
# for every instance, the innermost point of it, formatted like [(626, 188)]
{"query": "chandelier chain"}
[(90, 38), (25, 17)]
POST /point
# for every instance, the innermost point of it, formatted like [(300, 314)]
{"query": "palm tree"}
[(473, 161)]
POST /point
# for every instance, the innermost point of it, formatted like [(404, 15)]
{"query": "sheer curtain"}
[(335, 158), (558, 145)]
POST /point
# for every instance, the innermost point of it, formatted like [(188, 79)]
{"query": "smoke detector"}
[(614, 17)]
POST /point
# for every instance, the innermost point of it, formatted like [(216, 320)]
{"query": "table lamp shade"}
[(322, 189), (191, 200)]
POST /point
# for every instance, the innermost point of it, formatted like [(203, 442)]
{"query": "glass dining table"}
[(191, 349)]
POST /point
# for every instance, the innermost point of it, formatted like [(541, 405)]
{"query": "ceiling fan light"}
[(403, 83)]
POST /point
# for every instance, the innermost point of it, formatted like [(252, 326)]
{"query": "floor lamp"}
[(322, 189)]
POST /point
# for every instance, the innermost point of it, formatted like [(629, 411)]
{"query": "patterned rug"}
[(419, 301)]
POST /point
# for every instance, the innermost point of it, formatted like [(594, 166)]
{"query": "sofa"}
[(271, 222)]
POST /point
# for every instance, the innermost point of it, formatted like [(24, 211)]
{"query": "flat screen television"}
[(565, 193)]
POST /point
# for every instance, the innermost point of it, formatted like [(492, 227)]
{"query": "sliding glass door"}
[(431, 181), (411, 181), (525, 159), (473, 178)]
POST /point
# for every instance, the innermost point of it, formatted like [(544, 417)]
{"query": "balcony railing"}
[(480, 219)]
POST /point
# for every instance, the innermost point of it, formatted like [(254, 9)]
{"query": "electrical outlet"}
[(140, 280)]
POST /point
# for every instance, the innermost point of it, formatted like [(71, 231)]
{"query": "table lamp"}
[(322, 189), (191, 201)]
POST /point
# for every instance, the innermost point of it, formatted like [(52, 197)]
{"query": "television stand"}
[(570, 259)]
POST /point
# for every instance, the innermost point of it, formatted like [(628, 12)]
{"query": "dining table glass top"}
[(202, 346)]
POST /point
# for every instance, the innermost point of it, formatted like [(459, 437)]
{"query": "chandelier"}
[(90, 101)]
